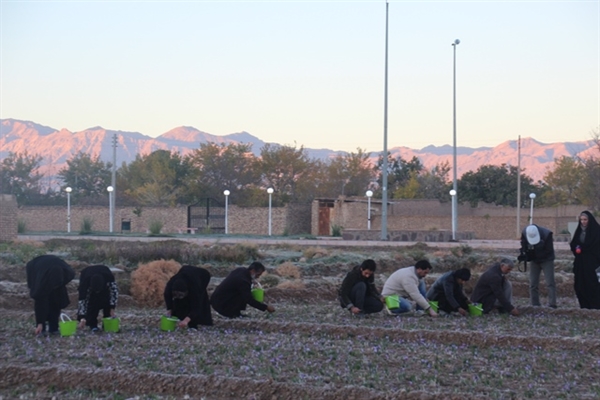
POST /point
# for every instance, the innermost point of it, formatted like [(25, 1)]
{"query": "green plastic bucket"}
[(476, 309), (67, 327), (434, 305), (110, 324), (258, 294), (168, 324), (392, 302)]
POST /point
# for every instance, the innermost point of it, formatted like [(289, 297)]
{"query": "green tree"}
[(349, 174), (495, 185), (399, 172), (590, 187), (87, 176), (564, 182), (288, 171), (19, 176), (220, 167), (156, 179)]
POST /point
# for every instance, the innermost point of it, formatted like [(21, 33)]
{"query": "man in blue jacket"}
[(447, 290)]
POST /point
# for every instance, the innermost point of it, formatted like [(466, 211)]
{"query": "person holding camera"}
[(537, 248)]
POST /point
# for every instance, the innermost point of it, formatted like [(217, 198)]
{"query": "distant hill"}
[(57, 146)]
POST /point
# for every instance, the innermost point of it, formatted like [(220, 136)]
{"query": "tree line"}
[(164, 178)]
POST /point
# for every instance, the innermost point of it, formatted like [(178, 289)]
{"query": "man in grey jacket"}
[(493, 290), (537, 247), (409, 284)]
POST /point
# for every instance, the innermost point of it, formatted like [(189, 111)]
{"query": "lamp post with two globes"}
[(226, 193), (68, 190), (369, 195), (532, 197), (110, 206), (453, 194), (270, 191)]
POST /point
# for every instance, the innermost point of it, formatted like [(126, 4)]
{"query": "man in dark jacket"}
[(358, 293), (235, 292), (47, 278), (537, 247), (493, 290), (97, 291), (447, 290), (186, 297)]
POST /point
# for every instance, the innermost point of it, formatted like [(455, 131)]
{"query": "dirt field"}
[(309, 348)]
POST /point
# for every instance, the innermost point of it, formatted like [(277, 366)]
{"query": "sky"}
[(307, 73)]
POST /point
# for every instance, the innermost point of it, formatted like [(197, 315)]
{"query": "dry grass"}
[(149, 280), (288, 270)]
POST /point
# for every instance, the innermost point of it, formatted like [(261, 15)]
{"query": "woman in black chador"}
[(47, 278), (186, 297), (586, 249)]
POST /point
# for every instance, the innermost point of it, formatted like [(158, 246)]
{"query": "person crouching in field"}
[(493, 290), (187, 299), (409, 285), (358, 293), (97, 291), (235, 292), (448, 291), (47, 279)]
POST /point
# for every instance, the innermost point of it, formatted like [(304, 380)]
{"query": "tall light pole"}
[(68, 190), (270, 191), (369, 195), (113, 180), (226, 193), (384, 172), (532, 197), (454, 169), (110, 206), (453, 194)]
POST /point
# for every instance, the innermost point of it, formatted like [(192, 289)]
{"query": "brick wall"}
[(9, 222), (293, 219), (482, 222)]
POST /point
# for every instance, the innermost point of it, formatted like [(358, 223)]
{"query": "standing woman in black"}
[(586, 249)]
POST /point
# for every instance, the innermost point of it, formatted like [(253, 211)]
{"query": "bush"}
[(86, 226), (315, 252), (336, 230), (149, 280), (155, 227), (21, 226), (269, 281), (288, 270)]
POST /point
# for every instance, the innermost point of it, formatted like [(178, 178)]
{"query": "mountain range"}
[(57, 146)]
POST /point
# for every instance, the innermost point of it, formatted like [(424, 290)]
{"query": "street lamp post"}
[(369, 195), (270, 191), (454, 168), (226, 193), (532, 197), (68, 190), (110, 206), (453, 194)]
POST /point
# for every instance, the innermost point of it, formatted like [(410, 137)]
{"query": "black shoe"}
[(553, 306)]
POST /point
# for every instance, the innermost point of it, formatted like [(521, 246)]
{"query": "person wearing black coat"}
[(358, 293), (537, 247), (186, 297), (493, 290), (97, 291), (448, 291), (47, 279), (585, 246), (235, 292)]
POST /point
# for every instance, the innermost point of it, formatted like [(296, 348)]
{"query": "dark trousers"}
[(367, 303), (445, 306), (91, 318)]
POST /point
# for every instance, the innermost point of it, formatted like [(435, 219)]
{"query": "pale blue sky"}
[(306, 72)]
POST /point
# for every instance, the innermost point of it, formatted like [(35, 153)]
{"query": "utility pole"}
[(113, 180)]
